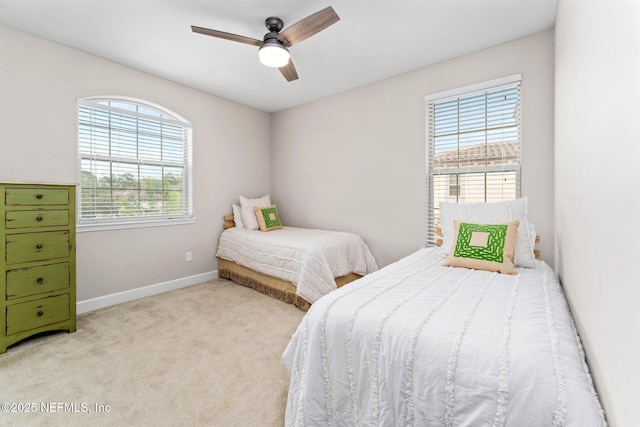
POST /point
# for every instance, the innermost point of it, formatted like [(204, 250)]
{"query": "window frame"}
[(470, 90), (186, 215)]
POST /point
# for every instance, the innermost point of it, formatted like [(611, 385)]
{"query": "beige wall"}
[(597, 190), (356, 161), (40, 82)]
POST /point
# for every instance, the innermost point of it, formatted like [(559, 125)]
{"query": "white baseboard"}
[(145, 291)]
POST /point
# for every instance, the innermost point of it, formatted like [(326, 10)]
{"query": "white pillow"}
[(491, 213), (237, 216), (532, 235), (247, 205)]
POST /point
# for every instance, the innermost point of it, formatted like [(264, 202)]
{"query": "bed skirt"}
[(268, 285)]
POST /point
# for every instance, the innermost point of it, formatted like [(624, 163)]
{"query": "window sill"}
[(106, 226)]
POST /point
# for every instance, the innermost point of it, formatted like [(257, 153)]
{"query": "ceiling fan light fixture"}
[(273, 54)]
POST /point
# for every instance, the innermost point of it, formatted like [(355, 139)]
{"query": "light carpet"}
[(206, 355)]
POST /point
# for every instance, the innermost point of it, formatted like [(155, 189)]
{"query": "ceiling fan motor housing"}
[(272, 38), (274, 25)]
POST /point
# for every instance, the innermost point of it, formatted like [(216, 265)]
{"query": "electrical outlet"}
[(187, 256)]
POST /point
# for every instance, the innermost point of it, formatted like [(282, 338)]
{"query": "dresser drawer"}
[(23, 282), (34, 314), (45, 218), (36, 196), (36, 246)]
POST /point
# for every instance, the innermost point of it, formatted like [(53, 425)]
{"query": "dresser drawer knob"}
[(39, 196), (39, 246), (40, 313), (40, 280), (39, 218)]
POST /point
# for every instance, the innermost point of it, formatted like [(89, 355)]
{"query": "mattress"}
[(311, 259), (420, 344)]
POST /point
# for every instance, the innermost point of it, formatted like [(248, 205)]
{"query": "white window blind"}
[(473, 146), (134, 164)]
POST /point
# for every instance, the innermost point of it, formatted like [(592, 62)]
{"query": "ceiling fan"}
[(273, 50)]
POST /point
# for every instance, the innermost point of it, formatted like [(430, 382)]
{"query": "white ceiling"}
[(373, 40)]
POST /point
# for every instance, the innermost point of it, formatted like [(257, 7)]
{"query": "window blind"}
[(473, 147), (134, 161)]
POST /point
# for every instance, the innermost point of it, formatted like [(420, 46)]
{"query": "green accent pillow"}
[(268, 218), (484, 246)]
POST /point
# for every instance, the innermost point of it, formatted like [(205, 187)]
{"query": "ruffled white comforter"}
[(310, 259), (419, 344)]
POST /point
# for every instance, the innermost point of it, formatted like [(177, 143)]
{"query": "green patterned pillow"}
[(484, 246), (268, 218)]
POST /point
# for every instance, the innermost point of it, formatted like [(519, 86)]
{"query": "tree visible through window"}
[(473, 146), (134, 162)]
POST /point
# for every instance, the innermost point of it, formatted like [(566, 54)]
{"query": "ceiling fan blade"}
[(289, 71), (308, 26), (226, 36)]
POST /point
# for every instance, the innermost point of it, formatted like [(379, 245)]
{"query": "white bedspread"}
[(310, 259), (419, 344)]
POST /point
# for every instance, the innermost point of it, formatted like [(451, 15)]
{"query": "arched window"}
[(134, 161)]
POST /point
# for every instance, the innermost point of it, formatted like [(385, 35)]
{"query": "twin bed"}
[(423, 343), (295, 265)]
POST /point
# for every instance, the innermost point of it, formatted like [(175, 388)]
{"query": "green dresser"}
[(38, 279)]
